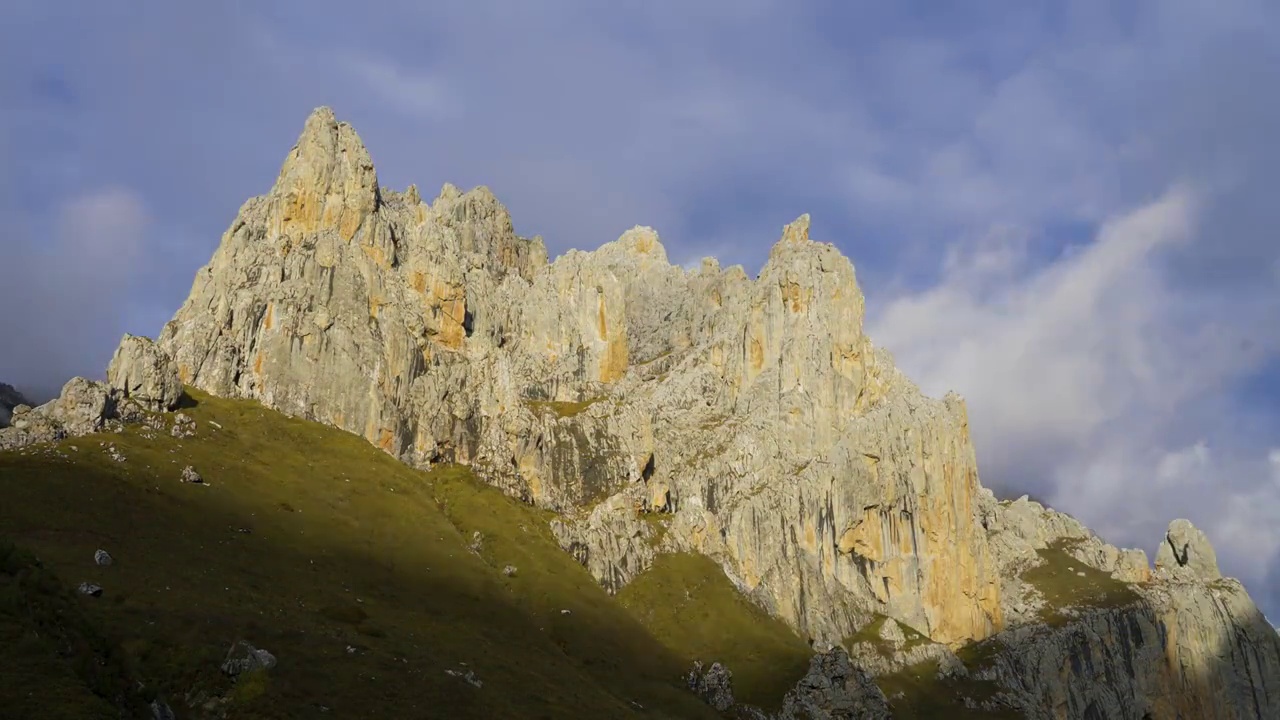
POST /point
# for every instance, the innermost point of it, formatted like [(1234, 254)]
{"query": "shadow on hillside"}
[(186, 402), (367, 618)]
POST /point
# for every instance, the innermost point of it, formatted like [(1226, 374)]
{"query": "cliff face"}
[(755, 413), (1183, 651), (751, 418)]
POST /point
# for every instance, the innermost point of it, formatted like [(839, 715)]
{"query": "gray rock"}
[(90, 589), (10, 400), (469, 676), (509, 571), (713, 684), (1186, 552), (1188, 650), (189, 475), (83, 407), (244, 657), (184, 426), (143, 372), (892, 633), (894, 653), (834, 689), (161, 711), (102, 557)]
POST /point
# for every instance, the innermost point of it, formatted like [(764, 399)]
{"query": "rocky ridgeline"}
[(141, 379), (753, 416)]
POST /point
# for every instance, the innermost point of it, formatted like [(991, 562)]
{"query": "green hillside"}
[(365, 578)]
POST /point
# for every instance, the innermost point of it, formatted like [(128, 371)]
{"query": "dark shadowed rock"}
[(834, 689), (244, 657), (161, 711), (89, 589), (713, 684), (10, 398)]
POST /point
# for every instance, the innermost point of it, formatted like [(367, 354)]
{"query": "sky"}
[(1063, 211)]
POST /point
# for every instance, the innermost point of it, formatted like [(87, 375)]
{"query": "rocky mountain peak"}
[(642, 243), (797, 231), (657, 410), (327, 180)]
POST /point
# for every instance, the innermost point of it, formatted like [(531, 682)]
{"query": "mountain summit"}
[(658, 410), (753, 415)]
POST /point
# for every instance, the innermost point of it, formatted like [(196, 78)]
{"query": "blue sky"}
[(1064, 211)]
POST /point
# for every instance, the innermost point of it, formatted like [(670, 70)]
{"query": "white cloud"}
[(1082, 374), (1182, 466), (1074, 337)]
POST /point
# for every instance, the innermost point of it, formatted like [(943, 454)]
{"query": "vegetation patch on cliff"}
[(1067, 585), (870, 634), (657, 523), (691, 607), (561, 408), (917, 692)]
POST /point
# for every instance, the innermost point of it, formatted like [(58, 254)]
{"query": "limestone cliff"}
[(755, 412), (752, 416)]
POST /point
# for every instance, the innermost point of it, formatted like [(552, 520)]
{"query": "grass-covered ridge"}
[(355, 570)]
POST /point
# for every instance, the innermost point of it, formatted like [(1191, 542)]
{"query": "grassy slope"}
[(687, 602), (57, 664), (347, 548)]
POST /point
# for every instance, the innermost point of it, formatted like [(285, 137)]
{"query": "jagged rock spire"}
[(328, 179), (1186, 552)]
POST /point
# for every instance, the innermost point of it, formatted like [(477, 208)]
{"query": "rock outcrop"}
[(142, 372), (1186, 553), (1094, 634), (140, 380), (752, 414), (834, 689), (1180, 651), (10, 398), (81, 408)]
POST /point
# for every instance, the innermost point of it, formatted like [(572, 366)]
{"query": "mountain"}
[(665, 418)]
